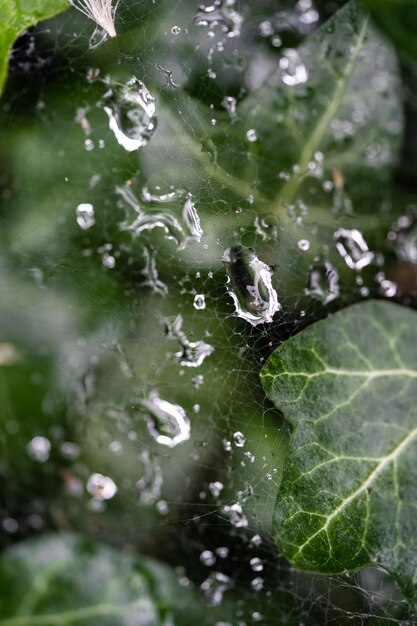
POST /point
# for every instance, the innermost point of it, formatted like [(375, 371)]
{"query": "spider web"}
[(118, 313)]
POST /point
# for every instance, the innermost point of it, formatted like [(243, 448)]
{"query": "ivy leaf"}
[(335, 98), (348, 386), (68, 579), (16, 16), (398, 19)]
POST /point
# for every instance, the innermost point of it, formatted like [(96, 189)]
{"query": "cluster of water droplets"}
[(221, 14), (184, 230)]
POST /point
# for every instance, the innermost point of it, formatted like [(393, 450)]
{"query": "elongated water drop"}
[(323, 282), (132, 114), (353, 248), (167, 423), (250, 286)]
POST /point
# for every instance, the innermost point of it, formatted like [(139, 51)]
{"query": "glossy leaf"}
[(68, 579), (348, 386), (17, 16)]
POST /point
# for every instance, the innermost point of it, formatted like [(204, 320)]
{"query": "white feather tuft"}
[(100, 11)]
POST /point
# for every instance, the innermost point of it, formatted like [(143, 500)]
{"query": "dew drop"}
[(250, 286), (38, 449), (216, 488), (229, 103), (353, 248), (256, 564), (222, 14), (167, 423), (239, 439), (85, 216), (101, 487), (292, 69), (192, 353), (403, 235), (304, 245), (256, 540), (207, 558), (323, 282), (176, 30), (251, 135), (200, 301), (214, 587), (257, 583), (236, 516), (132, 114)]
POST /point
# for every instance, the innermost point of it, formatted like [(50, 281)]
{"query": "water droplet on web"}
[(297, 212), (192, 222), (162, 507), (107, 258), (167, 423), (216, 488), (70, 450), (214, 587), (222, 14), (257, 583), (256, 540), (222, 552), (192, 353), (150, 272), (176, 30), (292, 69), (89, 145), (10, 525), (101, 487), (132, 114), (93, 74), (250, 286), (38, 449), (304, 245), (85, 216), (207, 558), (403, 235), (256, 563), (353, 248), (149, 485), (239, 439), (387, 288), (323, 282), (236, 516), (229, 103), (198, 381), (266, 29), (200, 301), (227, 445), (250, 456), (264, 229), (251, 135), (158, 198), (171, 226)]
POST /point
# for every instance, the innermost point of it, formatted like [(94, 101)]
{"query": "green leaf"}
[(16, 16), (347, 103), (348, 386), (398, 19), (67, 579)]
